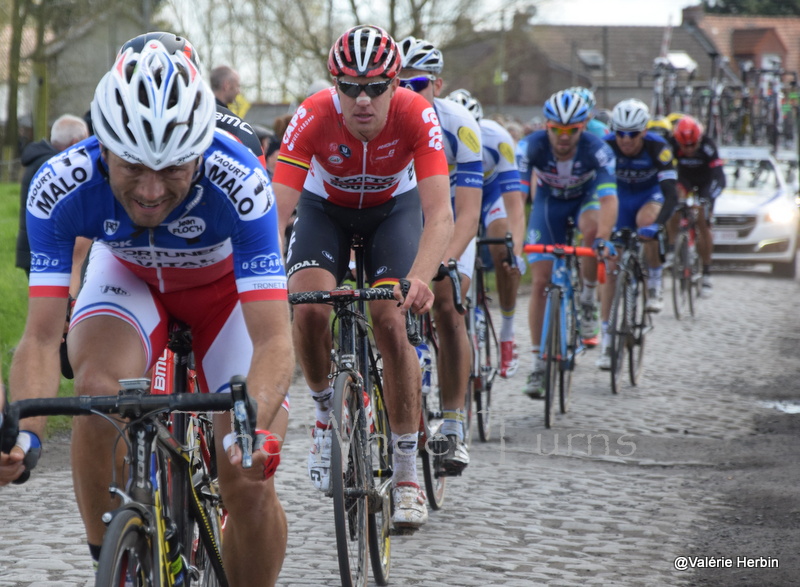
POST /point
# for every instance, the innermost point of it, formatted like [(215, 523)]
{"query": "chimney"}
[(692, 15)]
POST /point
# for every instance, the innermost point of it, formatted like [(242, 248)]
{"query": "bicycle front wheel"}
[(552, 370), (349, 483), (641, 323), (617, 329), (433, 445), (568, 362), (488, 359), (681, 277), (127, 556), (380, 502)]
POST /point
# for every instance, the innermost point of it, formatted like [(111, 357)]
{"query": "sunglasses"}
[(628, 134), (560, 129), (372, 89), (416, 84)]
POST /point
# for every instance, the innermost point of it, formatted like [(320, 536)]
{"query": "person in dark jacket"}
[(66, 131)]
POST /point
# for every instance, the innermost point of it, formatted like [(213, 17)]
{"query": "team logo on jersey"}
[(113, 290), (335, 160), (59, 178), (467, 136), (41, 262), (345, 151), (507, 152), (381, 270), (247, 189), (110, 226), (264, 264), (328, 256), (302, 265), (665, 156), (187, 227)]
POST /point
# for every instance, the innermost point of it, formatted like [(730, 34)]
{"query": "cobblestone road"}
[(610, 496)]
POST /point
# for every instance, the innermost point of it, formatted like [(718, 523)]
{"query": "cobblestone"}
[(609, 496)]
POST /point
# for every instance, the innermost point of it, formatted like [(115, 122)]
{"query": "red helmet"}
[(688, 131), (364, 51)]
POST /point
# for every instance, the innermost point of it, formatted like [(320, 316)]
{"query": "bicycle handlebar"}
[(568, 250), (508, 241)]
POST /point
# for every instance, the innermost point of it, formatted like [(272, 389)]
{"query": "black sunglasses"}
[(373, 89), (415, 84)]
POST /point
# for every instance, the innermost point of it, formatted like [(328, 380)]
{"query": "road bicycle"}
[(483, 337), (561, 341), (361, 450), (687, 266), (629, 322), (166, 531)]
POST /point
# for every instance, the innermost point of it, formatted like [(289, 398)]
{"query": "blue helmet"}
[(566, 107)]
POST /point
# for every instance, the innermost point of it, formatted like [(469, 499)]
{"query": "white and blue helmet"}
[(566, 107), (468, 101)]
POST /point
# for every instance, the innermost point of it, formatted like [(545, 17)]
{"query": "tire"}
[(786, 270), (488, 363), (379, 518), (127, 547), (432, 444), (640, 326), (617, 330), (349, 483), (552, 369), (568, 362), (681, 285)]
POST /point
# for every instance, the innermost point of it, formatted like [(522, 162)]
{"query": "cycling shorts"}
[(220, 341), (322, 233), (492, 209), (631, 203), (548, 220)]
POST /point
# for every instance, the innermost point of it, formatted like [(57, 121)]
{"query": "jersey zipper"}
[(363, 176)]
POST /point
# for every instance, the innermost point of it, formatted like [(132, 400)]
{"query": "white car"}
[(756, 219)]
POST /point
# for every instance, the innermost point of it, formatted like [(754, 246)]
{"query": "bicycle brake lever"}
[(244, 419), (455, 277)]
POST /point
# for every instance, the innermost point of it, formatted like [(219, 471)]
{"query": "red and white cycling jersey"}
[(320, 155)]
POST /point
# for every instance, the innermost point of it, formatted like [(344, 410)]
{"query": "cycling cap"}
[(688, 131), (364, 51), (660, 125), (173, 44), (586, 94), (420, 54), (154, 108), (630, 114), (566, 107), (469, 102)]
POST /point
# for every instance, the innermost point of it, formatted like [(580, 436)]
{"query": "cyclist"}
[(594, 125), (647, 192), (185, 227), (699, 167), (502, 210), (421, 68), (364, 157), (574, 176)]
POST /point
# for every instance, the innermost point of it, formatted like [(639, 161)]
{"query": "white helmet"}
[(631, 114), (468, 101), (420, 54), (154, 108)]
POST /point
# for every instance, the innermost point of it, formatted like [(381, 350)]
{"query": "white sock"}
[(405, 458), (587, 293), (453, 423), (507, 328), (322, 405)]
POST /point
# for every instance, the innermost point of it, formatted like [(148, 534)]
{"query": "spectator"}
[(225, 84), (66, 131)]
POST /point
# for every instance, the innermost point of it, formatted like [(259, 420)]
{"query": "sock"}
[(507, 328), (405, 458), (605, 338), (94, 550), (322, 405), (587, 293), (706, 269), (654, 280), (453, 423)]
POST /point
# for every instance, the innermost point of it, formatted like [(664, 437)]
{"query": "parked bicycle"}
[(629, 321), (361, 455), (561, 342), (166, 531)]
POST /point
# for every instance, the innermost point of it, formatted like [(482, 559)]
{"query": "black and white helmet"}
[(631, 114), (154, 108), (468, 101), (420, 54)]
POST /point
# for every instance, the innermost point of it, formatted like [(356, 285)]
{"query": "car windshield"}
[(754, 176)]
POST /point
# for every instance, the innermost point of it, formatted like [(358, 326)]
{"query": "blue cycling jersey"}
[(227, 223), (643, 172)]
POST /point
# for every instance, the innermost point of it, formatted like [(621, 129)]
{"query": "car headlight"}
[(781, 212)]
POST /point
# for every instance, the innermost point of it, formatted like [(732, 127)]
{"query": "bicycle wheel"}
[(379, 519), (681, 277), (127, 556), (568, 362), (349, 483), (617, 329), (552, 369), (433, 444), (641, 321), (488, 355)]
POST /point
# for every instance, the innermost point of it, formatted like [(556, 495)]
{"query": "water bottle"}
[(480, 324), (424, 356), (176, 566)]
